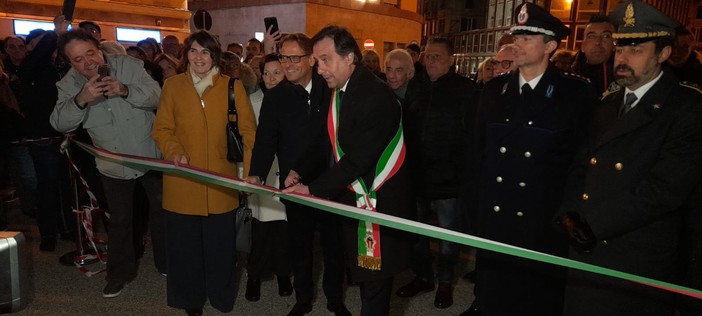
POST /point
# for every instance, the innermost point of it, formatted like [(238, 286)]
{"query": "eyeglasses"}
[(503, 63), (292, 58)]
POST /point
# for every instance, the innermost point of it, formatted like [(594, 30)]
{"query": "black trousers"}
[(53, 189), (122, 262), (269, 249), (302, 223), (202, 259), (375, 297)]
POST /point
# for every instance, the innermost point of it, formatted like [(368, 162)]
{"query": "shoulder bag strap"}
[(232, 103)]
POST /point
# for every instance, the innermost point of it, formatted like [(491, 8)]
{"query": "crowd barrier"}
[(377, 217)]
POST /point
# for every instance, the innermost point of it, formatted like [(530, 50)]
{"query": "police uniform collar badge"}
[(549, 91)]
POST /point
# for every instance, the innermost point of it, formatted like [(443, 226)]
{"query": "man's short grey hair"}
[(404, 57)]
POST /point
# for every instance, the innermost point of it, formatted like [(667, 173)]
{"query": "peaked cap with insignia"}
[(639, 22), (533, 19)]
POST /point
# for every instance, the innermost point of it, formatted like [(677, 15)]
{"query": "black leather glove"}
[(578, 231)]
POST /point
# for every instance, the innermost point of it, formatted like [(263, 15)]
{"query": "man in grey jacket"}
[(117, 110)]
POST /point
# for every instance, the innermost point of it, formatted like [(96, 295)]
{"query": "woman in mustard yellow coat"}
[(190, 130)]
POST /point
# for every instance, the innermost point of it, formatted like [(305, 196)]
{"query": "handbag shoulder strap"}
[(232, 103)]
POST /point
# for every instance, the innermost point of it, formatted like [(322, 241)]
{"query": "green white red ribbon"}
[(381, 219)]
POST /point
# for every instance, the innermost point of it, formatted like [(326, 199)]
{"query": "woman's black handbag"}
[(235, 146)]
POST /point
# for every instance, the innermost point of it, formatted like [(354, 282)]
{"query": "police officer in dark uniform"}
[(637, 178), (530, 124)]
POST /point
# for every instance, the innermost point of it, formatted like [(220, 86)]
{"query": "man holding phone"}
[(114, 100)]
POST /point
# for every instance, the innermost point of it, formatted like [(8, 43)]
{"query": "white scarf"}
[(201, 84)]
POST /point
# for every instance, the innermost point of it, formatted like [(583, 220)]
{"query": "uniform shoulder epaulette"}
[(691, 85), (575, 76), (610, 91)]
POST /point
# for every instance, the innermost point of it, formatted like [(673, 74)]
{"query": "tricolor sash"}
[(389, 163)]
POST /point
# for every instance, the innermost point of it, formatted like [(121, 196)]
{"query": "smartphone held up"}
[(103, 71), (271, 21)]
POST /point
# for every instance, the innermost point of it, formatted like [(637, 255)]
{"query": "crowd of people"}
[(594, 155)]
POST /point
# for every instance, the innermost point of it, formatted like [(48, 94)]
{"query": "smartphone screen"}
[(103, 71), (271, 20)]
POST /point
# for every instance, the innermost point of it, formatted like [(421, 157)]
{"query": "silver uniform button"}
[(530, 122), (503, 150), (522, 184), (527, 154), (498, 179), (507, 120), (496, 208), (520, 214)]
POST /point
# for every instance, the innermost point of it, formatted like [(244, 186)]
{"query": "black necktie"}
[(526, 91), (628, 102)]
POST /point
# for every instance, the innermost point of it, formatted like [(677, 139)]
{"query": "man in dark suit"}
[(529, 125), (638, 174), (292, 114), (364, 127)]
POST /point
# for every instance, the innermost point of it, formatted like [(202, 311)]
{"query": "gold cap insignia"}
[(523, 15), (629, 19)]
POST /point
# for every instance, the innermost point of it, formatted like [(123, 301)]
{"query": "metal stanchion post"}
[(82, 255)]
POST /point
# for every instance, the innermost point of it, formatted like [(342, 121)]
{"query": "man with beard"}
[(637, 177), (594, 60)]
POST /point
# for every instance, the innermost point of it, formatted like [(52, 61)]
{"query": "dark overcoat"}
[(286, 127), (526, 146), (631, 184), (368, 119), (439, 134)]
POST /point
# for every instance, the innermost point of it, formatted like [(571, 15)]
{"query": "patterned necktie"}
[(628, 102)]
